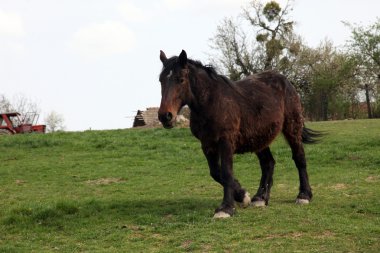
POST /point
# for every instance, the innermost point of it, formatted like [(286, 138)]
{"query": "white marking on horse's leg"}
[(302, 201), (221, 215), (258, 203), (246, 201)]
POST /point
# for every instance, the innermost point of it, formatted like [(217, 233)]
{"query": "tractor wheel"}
[(5, 132)]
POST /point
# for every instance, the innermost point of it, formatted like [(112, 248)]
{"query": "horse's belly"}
[(252, 145), (255, 141), (245, 147)]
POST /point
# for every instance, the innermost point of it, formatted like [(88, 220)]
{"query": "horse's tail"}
[(310, 136)]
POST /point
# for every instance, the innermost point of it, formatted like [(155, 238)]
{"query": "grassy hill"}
[(149, 190)]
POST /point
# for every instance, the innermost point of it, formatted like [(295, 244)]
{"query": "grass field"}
[(149, 190)]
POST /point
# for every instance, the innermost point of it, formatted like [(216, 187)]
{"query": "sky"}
[(96, 62)]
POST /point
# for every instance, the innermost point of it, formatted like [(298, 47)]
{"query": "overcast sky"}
[(96, 62)]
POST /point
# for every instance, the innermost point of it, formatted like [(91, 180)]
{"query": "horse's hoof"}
[(246, 201), (302, 201), (221, 215), (258, 203)]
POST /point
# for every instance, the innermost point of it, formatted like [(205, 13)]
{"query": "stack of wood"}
[(149, 118)]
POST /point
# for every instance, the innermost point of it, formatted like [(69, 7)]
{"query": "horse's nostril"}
[(169, 116), (165, 117)]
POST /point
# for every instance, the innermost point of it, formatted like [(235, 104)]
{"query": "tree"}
[(54, 122), (5, 104), (325, 77), (365, 45), (269, 44), (237, 56), (325, 81), (19, 103), (274, 30)]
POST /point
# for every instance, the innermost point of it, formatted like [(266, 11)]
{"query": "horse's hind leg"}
[(267, 163), (298, 152)]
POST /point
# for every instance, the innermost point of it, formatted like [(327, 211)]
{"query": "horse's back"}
[(274, 105), (270, 85), (271, 81), (292, 108)]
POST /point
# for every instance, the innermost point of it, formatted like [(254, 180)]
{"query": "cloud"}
[(11, 24), (132, 13), (104, 39)]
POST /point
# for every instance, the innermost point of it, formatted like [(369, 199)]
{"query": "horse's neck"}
[(201, 91)]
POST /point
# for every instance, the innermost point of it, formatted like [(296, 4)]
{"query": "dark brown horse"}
[(229, 118)]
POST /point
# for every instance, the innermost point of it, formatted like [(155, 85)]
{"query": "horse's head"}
[(175, 87)]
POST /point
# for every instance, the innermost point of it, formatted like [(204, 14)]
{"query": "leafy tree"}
[(365, 45), (274, 30), (324, 77), (326, 82)]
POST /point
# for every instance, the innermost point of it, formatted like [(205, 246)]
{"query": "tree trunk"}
[(367, 98), (324, 106)]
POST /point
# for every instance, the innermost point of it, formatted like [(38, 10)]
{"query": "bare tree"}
[(269, 43), (19, 103), (5, 104), (232, 49)]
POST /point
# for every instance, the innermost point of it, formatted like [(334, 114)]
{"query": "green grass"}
[(149, 190)]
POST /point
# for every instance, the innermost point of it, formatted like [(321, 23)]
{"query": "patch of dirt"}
[(206, 248), (168, 217), (275, 236), (354, 157), (20, 182), (295, 235), (106, 181), (137, 235), (339, 187), (372, 179), (290, 235), (157, 236), (186, 244), (325, 234)]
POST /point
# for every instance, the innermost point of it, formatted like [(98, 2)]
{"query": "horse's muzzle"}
[(166, 119)]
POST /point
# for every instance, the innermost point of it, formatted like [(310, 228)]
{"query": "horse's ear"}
[(182, 59), (163, 57)]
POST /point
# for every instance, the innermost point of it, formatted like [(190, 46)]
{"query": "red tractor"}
[(13, 123)]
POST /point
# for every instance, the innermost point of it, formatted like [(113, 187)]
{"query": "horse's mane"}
[(172, 63)]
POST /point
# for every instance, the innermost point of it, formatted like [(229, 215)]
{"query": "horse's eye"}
[(182, 80)]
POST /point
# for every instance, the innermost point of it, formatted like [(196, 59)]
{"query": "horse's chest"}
[(203, 129)]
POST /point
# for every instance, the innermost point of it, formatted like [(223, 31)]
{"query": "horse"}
[(236, 117)]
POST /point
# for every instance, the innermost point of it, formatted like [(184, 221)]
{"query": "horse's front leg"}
[(226, 209), (241, 196)]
